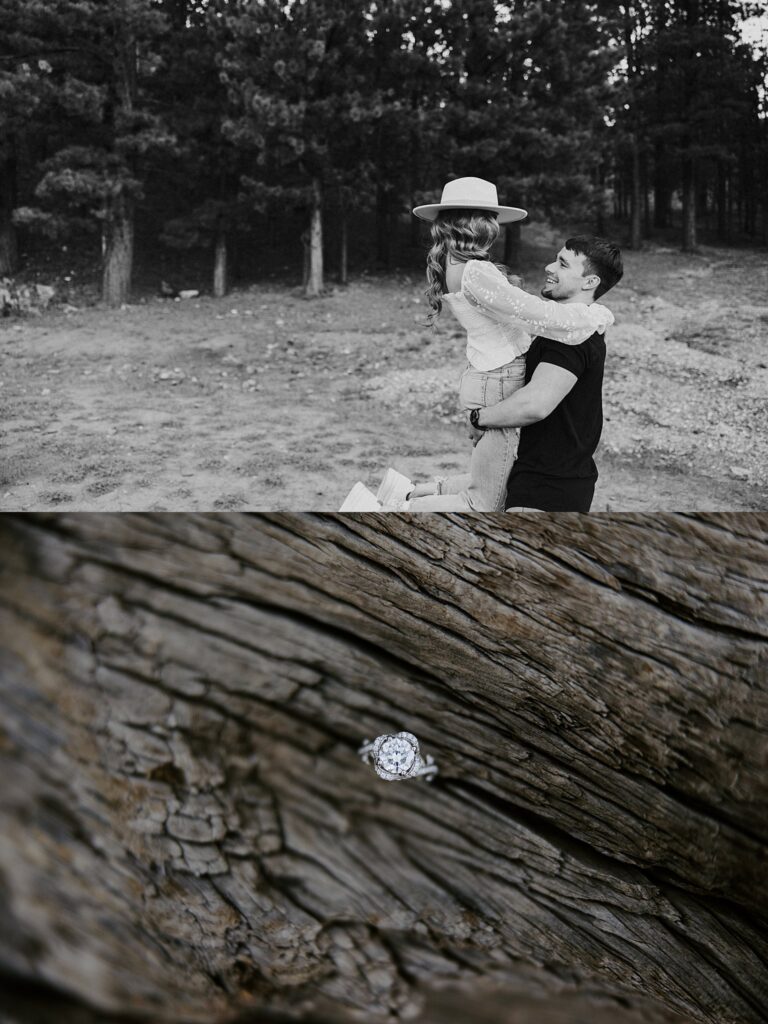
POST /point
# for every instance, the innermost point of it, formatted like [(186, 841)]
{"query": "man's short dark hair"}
[(601, 257)]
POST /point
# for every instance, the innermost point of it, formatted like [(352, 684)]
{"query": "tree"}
[(186, 830), (102, 57), (27, 102), (296, 80), (196, 190), (529, 101), (693, 96)]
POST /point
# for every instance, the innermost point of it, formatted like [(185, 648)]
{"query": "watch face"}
[(396, 755)]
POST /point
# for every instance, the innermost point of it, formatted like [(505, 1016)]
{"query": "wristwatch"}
[(474, 413)]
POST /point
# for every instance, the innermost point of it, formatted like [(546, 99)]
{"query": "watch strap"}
[(474, 413)]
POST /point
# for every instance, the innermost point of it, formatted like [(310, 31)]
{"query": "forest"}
[(220, 127)]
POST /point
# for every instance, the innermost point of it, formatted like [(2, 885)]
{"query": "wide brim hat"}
[(470, 194)]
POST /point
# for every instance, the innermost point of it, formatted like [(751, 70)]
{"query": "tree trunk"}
[(343, 249), (721, 202), (635, 210), (645, 193), (117, 249), (635, 207), (9, 253), (314, 284), (220, 265), (186, 830), (661, 189), (118, 230), (689, 206)]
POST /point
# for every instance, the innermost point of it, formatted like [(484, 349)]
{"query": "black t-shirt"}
[(554, 470)]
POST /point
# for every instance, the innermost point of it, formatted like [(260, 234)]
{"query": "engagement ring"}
[(397, 757)]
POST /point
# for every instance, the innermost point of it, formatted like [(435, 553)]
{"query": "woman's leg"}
[(441, 503), (484, 488), (471, 393)]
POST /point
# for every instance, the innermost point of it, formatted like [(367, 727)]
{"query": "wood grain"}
[(187, 831)]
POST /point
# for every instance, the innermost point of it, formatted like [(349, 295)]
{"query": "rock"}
[(24, 299), (740, 472)]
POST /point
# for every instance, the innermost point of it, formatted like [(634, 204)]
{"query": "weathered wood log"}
[(187, 830)]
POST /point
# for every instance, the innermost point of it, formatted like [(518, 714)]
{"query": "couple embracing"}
[(533, 381)]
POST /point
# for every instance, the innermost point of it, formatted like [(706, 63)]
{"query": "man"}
[(560, 406)]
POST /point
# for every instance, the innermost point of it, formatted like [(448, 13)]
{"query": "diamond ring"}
[(397, 757)]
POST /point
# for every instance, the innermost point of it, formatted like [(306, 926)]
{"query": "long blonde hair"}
[(461, 235)]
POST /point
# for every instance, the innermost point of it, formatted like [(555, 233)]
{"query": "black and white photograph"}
[(271, 255)]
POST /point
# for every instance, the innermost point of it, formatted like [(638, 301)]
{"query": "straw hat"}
[(470, 194)]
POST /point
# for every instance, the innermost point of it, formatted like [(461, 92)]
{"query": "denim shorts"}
[(480, 388)]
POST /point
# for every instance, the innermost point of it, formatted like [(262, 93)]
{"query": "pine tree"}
[(695, 97), (296, 83), (26, 92), (196, 189), (102, 59), (526, 89)]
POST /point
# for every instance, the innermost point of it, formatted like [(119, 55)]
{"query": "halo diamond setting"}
[(396, 756)]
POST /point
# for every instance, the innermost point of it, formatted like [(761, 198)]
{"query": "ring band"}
[(397, 756)]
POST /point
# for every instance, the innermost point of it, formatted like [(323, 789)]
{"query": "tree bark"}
[(220, 265), (690, 241), (344, 244), (9, 253), (661, 189), (645, 193), (721, 202), (118, 231), (186, 830), (635, 210), (314, 284), (117, 252)]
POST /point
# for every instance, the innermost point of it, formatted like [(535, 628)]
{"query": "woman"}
[(500, 320)]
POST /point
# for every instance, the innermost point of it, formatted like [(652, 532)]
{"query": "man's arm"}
[(547, 388)]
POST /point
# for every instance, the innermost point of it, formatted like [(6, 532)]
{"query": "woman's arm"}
[(485, 286)]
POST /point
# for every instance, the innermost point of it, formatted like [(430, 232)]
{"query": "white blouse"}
[(502, 320)]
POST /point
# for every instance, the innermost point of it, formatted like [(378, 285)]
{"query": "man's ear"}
[(590, 283)]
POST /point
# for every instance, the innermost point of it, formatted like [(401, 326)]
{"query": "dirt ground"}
[(266, 401)]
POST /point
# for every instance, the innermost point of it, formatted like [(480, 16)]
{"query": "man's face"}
[(567, 279)]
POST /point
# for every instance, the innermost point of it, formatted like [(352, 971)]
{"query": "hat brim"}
[(506, 214)]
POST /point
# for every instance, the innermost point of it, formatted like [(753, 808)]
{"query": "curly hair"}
[(462, 235)]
